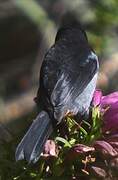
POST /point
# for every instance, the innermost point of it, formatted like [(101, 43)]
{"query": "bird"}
[(67, 82)]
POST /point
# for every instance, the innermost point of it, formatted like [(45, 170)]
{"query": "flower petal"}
[(109, 99), (50, 149), (110, 118), (77, 150), (81, 148), (97, 97), (114, 145), (105, 149), (99, 172)]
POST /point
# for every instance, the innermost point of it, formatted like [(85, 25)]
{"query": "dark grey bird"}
[(67, 82)]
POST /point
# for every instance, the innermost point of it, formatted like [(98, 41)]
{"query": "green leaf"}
[(64, 141), (83, 130)]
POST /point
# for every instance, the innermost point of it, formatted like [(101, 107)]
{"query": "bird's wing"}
[(71, 83), (65, 74)]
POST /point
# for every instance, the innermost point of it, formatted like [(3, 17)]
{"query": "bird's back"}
[(67, 82), (67, 68)]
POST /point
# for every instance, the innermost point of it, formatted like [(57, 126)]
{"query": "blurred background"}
[(27, 30)]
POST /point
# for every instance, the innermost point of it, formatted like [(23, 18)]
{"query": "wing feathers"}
[(71, 84)]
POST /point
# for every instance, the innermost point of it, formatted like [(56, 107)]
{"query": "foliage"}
[(73, 153), (84, 133)]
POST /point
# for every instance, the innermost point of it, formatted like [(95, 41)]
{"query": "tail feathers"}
[(33, 142)]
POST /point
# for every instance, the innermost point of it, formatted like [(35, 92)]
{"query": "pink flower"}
[(107, 146), (109, 99), (97, 98), (77, 151), (109, 107), (110, 118), (105, 149), (50, 149)]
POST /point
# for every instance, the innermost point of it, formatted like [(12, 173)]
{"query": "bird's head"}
[(71, 28)]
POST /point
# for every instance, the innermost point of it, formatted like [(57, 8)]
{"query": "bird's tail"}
[(33, 142)]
